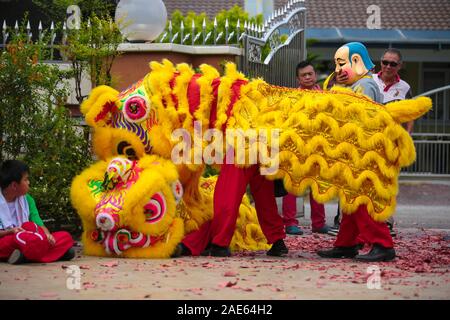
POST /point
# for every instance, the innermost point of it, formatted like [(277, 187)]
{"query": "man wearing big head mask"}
[(353, 65)]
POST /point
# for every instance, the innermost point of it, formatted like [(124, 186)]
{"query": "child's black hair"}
[(12, 170)]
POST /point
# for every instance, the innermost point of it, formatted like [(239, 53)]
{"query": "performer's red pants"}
[(34, 245), (359, 227), (290, 211), (197, 240), (230, 188)]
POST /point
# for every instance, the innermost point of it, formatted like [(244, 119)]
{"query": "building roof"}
[(395, 14)]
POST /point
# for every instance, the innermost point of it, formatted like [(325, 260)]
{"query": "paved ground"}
[(421, 270)]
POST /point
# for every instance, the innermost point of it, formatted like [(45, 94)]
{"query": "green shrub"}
[(233, 15), (36, 127)]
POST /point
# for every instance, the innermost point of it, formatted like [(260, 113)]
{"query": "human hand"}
[(342, 77), (51, 239), (16, 230)]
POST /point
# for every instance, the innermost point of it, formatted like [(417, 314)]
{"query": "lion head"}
[(128, 207)]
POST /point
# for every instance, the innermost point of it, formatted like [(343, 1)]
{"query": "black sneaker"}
[(391, 229), (339, 252), (181, 250), (218, 251), (278, 249), (69, 255), (207, 251), (17, 257), (333, 231)]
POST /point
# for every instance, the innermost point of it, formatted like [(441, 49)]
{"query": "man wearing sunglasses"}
[(391, 86)]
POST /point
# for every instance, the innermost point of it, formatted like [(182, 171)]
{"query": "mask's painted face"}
[(353, 66), (135, 113)]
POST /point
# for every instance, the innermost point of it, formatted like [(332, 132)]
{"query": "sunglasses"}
[(391, 63)]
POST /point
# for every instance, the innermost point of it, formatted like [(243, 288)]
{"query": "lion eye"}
[(155, 209), (136, 108)]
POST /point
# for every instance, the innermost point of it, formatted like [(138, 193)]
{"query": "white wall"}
[(86, 86), (255, 7)]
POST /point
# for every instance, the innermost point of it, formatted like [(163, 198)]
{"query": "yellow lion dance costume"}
[(338, 143), (135, 209)]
